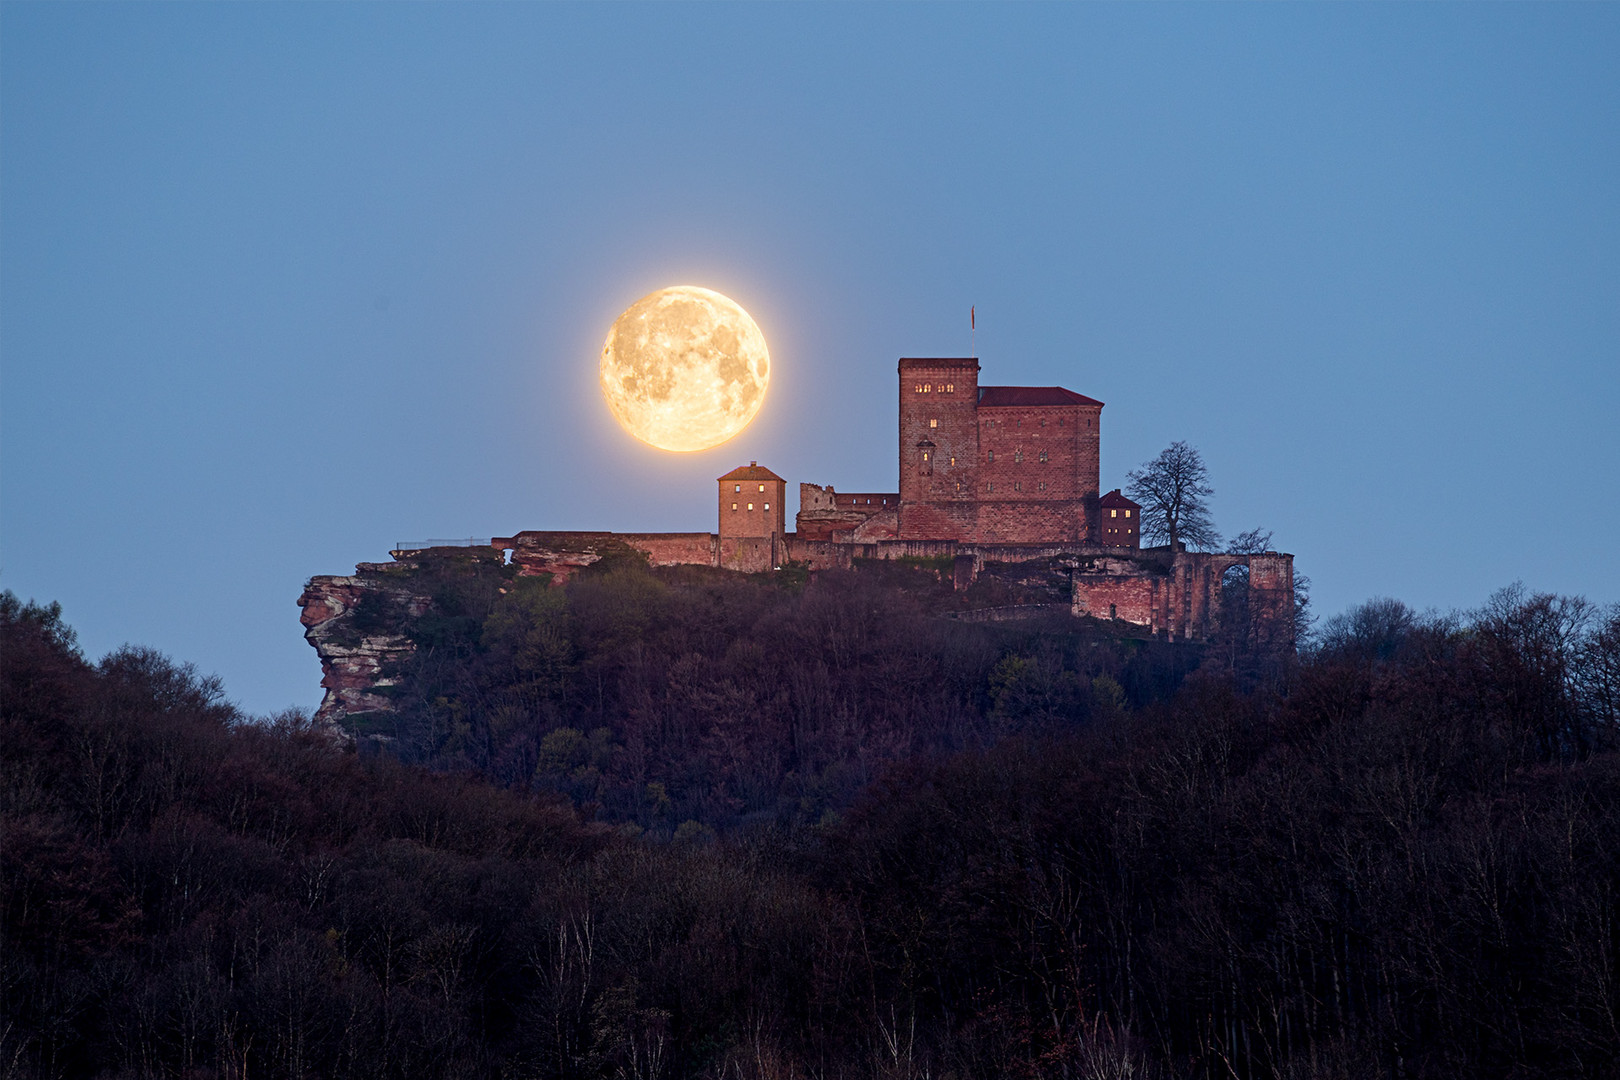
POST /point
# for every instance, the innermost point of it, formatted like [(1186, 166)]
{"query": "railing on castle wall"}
[(419, 545)]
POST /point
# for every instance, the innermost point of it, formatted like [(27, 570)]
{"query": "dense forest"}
[(698, 825)]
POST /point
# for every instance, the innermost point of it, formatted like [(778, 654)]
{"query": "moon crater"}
[(685, 368)]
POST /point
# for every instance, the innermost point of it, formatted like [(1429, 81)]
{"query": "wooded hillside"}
[(1010, 852)]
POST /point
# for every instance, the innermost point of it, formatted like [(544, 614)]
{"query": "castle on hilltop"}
[(988, 475), (997, 480)]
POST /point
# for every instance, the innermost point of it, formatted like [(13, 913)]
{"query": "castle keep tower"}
[(939, 446)]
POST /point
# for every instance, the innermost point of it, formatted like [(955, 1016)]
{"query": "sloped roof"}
[(1032, 395), (752, 471), (1114, 498)]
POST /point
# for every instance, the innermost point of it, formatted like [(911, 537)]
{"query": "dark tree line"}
[(1402, 862)]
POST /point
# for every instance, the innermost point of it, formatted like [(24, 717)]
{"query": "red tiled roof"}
[(1114, 498), (1032, 395), (751, 471)]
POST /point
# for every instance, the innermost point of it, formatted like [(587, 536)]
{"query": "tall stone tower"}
[(939, 446)]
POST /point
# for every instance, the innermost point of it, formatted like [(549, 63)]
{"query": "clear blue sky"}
[(281, 284)]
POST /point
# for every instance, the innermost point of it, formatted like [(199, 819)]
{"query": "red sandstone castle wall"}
[(1029, 520), (750, 554), (825, 514), (1132, 599), (674, 549)]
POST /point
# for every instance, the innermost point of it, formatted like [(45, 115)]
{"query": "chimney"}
[(751, 464)]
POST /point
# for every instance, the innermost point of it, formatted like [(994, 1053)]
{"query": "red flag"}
[(973, 323)]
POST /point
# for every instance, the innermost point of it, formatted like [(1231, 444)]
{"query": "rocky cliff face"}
[(357, 647)]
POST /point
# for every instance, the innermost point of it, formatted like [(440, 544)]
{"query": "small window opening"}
[(750, 506), (933, 423)]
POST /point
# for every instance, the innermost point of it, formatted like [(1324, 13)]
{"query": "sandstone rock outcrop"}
[(357, 652)]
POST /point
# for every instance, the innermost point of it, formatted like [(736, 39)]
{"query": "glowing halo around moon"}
[(685, 368)]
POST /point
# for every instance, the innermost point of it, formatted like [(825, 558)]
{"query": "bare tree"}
[(1172, 489)]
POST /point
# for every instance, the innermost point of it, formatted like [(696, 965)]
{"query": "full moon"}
[(685, 368)]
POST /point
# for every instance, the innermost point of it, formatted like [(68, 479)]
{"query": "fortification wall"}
[(1030, 521)]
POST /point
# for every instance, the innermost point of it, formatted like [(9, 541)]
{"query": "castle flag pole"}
[(973, 331)]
